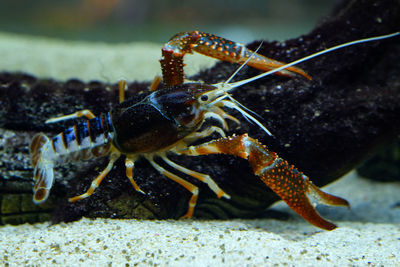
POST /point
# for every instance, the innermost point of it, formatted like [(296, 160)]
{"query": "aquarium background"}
[(156, 20)]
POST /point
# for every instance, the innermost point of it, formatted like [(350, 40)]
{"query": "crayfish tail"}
[(35, 148), (44, 177), (42, 155)]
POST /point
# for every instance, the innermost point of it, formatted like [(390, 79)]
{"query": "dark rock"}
[(384, 166)]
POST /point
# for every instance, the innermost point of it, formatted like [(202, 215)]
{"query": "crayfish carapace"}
[(170, 118)]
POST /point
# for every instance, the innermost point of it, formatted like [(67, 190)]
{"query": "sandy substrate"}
[(368, 234), (52, 58)]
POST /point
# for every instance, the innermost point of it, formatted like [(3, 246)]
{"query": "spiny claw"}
[(216, 47), (291, 185), (226, 50)]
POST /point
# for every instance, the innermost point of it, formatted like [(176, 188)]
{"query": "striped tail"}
[(43, 156), (83, 141)]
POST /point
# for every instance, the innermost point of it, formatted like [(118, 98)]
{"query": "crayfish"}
[(172, 117)]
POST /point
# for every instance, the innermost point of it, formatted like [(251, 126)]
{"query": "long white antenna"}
[(244, 63), (239, 83), (246, 115), (225, 87)]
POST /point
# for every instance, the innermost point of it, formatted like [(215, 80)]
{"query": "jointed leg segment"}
[(129, 164), (200, 176), (82, 113), (190, 187), (121, 90), (96, 182)]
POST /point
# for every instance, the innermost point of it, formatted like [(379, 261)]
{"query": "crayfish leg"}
[(129, 165), (190, 187), (155, 83), (96, 182), (121, 90), (200, 176), (82, 113), (291, 185)]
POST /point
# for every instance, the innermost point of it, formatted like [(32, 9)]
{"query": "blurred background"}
[(157, 20)]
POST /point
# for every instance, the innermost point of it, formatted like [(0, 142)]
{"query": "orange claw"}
[(291, 185), (213, 46)]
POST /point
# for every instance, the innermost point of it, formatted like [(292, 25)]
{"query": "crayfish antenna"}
[(225, 87), (328, 50), (242, 65), (233, 103)]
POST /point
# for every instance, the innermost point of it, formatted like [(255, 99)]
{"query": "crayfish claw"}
[(216, 47), (291, 185), (326, 198)]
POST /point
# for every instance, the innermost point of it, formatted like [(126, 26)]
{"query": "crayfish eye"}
[(204, 98)]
